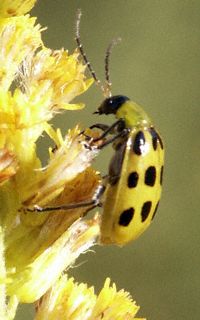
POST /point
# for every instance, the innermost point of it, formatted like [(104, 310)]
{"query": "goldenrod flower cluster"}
[(59, 302), (36, 248)]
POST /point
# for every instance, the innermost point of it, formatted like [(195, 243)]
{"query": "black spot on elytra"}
[(150, 176), (146, 208), (160, 140), (126, 217), (155, 210), (161, 175), (139, 143), (156, 138), (133, 179)]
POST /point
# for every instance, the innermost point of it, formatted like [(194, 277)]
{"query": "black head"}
[(112, 104)]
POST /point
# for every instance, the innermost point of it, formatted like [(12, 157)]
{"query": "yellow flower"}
[(48, 258), (15, 7), (19, 37), (69, 300), (34, 245)]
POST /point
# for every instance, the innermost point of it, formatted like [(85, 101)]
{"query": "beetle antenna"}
[(82, 52), (108, 83)]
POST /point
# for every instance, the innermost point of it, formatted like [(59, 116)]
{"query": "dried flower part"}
[(70, 158), (39, 241), (51, 79), (10, 8), (46, 266), (8, 165), (72, 301), (19, 37)]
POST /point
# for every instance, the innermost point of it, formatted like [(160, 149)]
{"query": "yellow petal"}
[(10, 8), (19, 37), (66, 300), (73, 301), (113, 304)]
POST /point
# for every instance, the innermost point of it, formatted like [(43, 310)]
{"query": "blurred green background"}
[(157, 65)]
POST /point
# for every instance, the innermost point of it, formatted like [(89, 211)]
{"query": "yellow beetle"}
[(132, 189), (134, 181)]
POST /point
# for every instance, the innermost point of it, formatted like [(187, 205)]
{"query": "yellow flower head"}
[(72, 301), (35, 84)]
